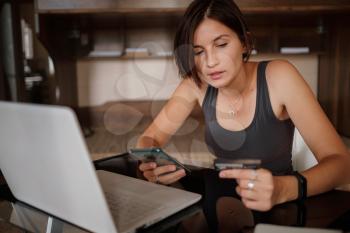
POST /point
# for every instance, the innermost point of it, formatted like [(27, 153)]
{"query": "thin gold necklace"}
[(233, 109)]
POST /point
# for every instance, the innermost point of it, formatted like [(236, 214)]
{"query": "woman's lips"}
[(216, 75)]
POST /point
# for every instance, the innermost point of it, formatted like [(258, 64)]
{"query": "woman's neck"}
[(239, 84)]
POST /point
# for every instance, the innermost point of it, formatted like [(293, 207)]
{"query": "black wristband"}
[(302, 186)]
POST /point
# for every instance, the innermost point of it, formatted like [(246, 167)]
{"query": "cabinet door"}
[(334, 75)]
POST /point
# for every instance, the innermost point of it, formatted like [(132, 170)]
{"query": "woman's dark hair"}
[(223, 11)]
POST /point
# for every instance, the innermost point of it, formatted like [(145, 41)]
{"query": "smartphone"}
[(222, 164), (158, 156)]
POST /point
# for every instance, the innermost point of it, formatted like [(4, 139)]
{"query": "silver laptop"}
[(270, 228), (46, 164)]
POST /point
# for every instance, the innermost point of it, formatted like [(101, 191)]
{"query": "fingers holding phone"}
[(157, 166), (147, 166), (166, 174)]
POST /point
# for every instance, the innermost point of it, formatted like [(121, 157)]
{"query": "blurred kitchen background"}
[(112, 61)]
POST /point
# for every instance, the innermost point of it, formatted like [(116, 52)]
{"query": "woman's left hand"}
[(256, 187)]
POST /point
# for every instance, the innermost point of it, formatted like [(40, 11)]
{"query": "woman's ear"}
[(247, 45)]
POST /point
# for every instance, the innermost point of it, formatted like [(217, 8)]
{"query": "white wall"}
[(101, 81)]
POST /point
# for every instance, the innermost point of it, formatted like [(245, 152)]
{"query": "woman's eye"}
[(196, 53), (222, 45)]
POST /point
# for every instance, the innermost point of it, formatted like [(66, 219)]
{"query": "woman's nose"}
[(212, 59)]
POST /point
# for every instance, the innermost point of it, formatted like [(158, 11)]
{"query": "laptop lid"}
[(47, 165)]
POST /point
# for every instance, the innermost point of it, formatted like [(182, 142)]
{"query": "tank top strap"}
[(264, 107), (209, 103)]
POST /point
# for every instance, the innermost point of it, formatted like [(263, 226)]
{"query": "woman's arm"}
[(167, 122), (333, 169), (172, 115)]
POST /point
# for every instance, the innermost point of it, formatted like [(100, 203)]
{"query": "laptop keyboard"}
[(127, 208)]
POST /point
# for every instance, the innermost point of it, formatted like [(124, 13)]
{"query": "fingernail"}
[(221, 174)]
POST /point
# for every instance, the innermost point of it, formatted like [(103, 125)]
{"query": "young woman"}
[(250, 111)]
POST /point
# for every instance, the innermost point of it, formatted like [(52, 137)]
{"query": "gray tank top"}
[(266, 138)]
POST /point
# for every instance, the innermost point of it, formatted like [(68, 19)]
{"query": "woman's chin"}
[(219, 83)]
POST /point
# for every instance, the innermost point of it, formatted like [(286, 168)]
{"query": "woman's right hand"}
[(161, 175)]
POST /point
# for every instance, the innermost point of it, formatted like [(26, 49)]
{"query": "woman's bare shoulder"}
[(280, 68), (282, 73), (284, 79), (189, 88), (189, 82)]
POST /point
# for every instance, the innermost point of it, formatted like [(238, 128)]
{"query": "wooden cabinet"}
[(275, 24), (293, 33), (334, 74)]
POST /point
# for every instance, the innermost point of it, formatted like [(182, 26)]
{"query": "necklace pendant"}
[(232, 113)]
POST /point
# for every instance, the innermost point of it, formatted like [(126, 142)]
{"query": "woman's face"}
[(218, 53)]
